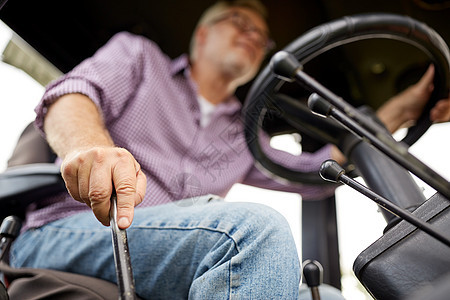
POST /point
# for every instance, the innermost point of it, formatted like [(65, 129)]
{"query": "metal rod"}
[(2, 3), (386, 204), (122, 259), (376, 134), (315, 295), (397, 152)]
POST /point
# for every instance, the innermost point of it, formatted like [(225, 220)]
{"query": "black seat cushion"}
[(27, 283)]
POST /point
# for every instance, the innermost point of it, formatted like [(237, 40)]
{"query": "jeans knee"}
[(266, 248), (266, 217), (262, 223)]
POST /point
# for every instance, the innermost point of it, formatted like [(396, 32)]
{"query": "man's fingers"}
[(101, 208), (100, 187), (69, 173), (441, 111), (125, 182), (84, 173), (427, 78), (92, 175), (141, 187)]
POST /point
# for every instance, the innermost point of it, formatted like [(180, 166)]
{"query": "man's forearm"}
[(74, 123), (92, 167)]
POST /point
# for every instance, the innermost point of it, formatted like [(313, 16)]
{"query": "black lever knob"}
[(285, 65), (9, 230), (319, 106), (330, 170), (10, 227), (313, 274)]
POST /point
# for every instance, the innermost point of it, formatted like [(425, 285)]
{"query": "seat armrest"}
[(22, 185)]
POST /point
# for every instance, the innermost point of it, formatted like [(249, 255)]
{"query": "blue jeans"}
[(217, 250)]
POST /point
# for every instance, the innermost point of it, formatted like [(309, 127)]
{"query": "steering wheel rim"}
[(261, 100)]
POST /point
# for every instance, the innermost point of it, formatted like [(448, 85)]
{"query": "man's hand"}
[(92, 166), (406, 107), (441, 111), (91, 175)]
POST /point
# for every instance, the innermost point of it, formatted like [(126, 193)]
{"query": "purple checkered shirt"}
[(149, 105)]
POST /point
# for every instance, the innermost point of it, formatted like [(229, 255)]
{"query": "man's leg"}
[(214, 251)]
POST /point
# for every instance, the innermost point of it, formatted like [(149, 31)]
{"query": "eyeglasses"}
[(244, 25)]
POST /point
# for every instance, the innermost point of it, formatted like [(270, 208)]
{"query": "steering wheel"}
[(265, 99)]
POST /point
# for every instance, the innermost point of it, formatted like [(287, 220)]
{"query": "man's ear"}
[(201, 34)]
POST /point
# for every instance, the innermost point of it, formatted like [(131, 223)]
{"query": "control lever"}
[(286, 67), (122, 259), (313, 274), (330, 170), (9, 230)]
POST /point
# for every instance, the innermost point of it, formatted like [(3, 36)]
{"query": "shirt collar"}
[(179, 64)]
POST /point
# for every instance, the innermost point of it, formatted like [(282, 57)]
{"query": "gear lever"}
[(331, 171), (122, 259), (313, 272), (9, 230)]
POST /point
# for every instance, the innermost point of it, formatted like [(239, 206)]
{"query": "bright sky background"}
[(358, 220)]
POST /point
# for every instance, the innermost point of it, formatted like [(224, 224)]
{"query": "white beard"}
[(234, 66)]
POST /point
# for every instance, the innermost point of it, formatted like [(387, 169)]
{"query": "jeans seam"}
[(192, 228), (231, 279)]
